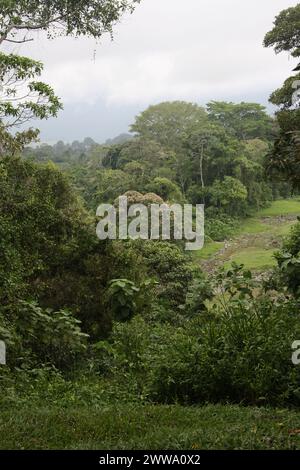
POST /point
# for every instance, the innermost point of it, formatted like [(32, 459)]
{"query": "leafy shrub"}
[(172, 269), (198, 293), (197, 195), (289, 262), (259, 194), (49, 251), (220, 229), (33, 387), (229, 195), (41, 336), (166, 189), (242, 356), (240, 351), (126, 299)]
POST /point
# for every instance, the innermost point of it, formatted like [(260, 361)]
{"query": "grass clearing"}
[(136, 427), (254, 258), (281, 207), (252, 226), (254, 238), (283, 230), (209, 249)]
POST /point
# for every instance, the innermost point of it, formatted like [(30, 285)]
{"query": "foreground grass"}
[(150, 427)]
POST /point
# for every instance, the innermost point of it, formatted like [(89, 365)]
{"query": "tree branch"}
[(28, 27), (19, 42)]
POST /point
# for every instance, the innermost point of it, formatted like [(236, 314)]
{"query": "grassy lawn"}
[(259, 231), (252, 226), (281, 207), (283, 230), (254, 258), (150, 427), (209, 249), (255, 226)]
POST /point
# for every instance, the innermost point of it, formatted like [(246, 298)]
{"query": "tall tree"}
[(244, 121), (284, 160), (169, 123), (22, 98), (285, 36)]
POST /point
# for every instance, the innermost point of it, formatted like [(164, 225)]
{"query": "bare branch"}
[(19, 42)]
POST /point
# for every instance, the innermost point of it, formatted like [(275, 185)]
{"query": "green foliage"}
[(36, 336), (196, 194), (22, 99), (121, 296), (283, 160), (150, 155), (77, 18), (39, 102), (285, 34), (240, 353), (180, 162), (245, 356), (111, 184), (244, 121), (199, 291), (166, 189), (126, 299), (14, 144), (172, 268), (229, 194), (236, 349), (221, 228), (39, 214), (285, 95), (128, 343), (136, 320), (168, 123), (49, 251), (289, 262)]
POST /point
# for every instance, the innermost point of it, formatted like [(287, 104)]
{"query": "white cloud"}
[(169, 49)]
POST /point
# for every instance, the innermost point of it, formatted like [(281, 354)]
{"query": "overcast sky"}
[(195, 50)]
